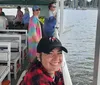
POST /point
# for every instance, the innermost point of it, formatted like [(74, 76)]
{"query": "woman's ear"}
[(38, 56)]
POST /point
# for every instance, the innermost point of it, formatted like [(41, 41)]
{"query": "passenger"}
[(52, 9), (3, 23), (3, 20), (19, 15), (1, 12), (34, 33), (26, 18), (50, 22), (46, 68)]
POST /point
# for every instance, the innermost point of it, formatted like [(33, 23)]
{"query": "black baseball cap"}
[(47, 44)]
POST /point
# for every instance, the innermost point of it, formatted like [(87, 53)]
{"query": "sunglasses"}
[(37, 9), (53, 6)]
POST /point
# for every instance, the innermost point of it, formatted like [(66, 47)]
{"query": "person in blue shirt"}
[(26, 18), (50, 22)]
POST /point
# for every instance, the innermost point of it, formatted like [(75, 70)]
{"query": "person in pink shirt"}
[(19, 15)]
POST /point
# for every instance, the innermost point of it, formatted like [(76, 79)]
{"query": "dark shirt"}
[(2, 14), (37, 75)]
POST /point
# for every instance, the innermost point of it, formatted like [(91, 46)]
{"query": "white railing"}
[(15, 41), (5, 57), (66, 75), (23, 34)]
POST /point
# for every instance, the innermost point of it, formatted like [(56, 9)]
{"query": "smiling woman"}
[(46, 68)]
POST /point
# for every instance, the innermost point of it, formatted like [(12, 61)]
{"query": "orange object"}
[(6, 82)]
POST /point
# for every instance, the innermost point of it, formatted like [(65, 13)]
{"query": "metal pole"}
[(95, 3), (57, 9), (85, 3), (96, 75), (57, 19), (61, 15), (76, 4)]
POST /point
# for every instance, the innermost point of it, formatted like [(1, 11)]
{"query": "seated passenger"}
[(1, 12), (46, 68)]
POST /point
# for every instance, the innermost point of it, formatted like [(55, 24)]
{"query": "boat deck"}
[(24, 66)]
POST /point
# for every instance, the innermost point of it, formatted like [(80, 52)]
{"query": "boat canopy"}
[(26, 2)]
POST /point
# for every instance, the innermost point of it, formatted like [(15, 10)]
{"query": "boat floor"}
[(24, 66)]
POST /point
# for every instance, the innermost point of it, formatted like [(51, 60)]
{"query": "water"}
[(79, 32), (79, 38)]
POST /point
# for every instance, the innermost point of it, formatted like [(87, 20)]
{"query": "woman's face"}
[(52, 61), (36, 12), (53, 7)]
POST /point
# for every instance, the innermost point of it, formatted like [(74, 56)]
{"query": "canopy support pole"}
[(66, 75), (96, 75), (61, 15)]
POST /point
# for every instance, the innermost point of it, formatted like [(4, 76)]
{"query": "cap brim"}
[(64, 49), (35, 8)]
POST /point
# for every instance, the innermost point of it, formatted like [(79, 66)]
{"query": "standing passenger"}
[(26, 18), (52, 9), (50, 22), (19, 15), (34, 33)]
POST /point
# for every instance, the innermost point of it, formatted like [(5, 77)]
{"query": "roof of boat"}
[(26, 2)]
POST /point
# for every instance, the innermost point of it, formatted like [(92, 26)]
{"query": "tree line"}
[(81, 3)]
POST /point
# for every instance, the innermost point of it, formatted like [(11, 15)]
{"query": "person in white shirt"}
[(3, 23), (53, 15), (52, 9)]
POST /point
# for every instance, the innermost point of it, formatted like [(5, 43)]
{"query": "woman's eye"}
[(60, 52)]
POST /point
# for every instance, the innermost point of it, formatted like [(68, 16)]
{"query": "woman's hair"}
[(31, 64), (35, 61), (18, 7)]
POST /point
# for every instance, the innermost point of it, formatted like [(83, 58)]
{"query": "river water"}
[(79, 38)]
